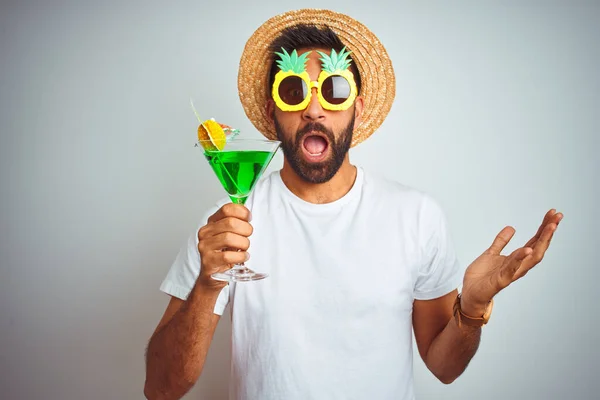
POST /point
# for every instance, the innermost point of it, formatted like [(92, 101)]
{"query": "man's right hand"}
[(226, 231)]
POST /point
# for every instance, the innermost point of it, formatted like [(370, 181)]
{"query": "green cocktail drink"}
[(238, 170), (239, 164)]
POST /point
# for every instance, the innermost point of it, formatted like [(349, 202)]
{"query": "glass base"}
[(239, 273)]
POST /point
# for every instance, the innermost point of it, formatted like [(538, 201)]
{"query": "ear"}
[(270, 106), (358, 110)]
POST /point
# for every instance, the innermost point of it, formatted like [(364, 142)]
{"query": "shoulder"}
[(265, 192), (267, 182), (413, 206), (395, 192)]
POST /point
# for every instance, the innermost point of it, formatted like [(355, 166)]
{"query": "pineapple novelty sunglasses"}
[(292, 88)]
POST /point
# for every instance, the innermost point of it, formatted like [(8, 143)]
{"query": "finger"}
[(501, 240), (228, 224), (547, 219), (231, 210), (558, 217), (512, 265), (219, 261), (539, 250), (544, 242), (221, 269), (227, 258), (227, 240)]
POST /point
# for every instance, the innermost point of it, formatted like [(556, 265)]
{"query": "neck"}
[(320, 193)]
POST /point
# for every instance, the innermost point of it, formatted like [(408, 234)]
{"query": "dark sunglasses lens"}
[(335, 89), (292, 90)]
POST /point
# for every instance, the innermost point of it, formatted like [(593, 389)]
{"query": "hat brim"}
[(372, 61)]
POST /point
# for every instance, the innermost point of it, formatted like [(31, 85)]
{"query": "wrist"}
[(472, 308), (472, 316), (208, 286), (205, 281)]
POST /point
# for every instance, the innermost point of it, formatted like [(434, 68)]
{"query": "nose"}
[(314, 111)]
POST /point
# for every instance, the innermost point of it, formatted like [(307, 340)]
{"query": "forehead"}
[(313, 50), (313, 60)]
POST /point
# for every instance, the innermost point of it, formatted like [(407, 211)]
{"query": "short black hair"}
[(304, 36)]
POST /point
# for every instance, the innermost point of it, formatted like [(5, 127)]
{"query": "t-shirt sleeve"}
[(439, 272), (185, 270)]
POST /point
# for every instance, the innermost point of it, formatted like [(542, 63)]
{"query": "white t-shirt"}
[(334, 318)]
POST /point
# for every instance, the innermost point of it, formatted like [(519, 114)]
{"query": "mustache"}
[(314, 127)]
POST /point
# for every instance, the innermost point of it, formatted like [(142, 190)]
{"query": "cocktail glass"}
[(238, 167)]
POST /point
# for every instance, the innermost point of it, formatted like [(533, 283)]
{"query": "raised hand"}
[(223, 241), (491, 272)]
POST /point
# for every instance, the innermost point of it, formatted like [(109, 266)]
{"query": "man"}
[(356, 263)]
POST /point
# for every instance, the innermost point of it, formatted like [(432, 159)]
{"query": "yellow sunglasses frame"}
[(323, 75)]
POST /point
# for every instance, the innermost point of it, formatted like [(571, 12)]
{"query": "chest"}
[(355, 265)]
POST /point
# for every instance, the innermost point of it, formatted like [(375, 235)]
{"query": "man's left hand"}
[(491, 272)]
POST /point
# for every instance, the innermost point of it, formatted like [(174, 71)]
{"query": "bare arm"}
[(445, 348), (178, 348)]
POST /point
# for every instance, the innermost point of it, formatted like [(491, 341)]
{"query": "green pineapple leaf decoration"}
[(292, 62), (336, 62)]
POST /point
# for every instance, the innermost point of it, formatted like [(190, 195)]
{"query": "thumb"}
[(501, 240)]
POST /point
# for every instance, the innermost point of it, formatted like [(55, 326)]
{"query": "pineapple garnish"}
[(211, 135)]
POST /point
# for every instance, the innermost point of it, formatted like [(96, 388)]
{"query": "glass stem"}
[(241, 268)]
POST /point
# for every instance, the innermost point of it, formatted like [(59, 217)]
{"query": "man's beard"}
[(315, 172)]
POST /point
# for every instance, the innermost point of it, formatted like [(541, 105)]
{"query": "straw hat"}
[(371, 59)]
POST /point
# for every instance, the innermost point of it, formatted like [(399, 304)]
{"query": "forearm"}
[(452, 350), (176, 352)]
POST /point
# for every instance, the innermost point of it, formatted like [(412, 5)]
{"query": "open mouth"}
[(315, 146)]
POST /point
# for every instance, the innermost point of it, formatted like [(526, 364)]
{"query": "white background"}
[(496, 115)]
